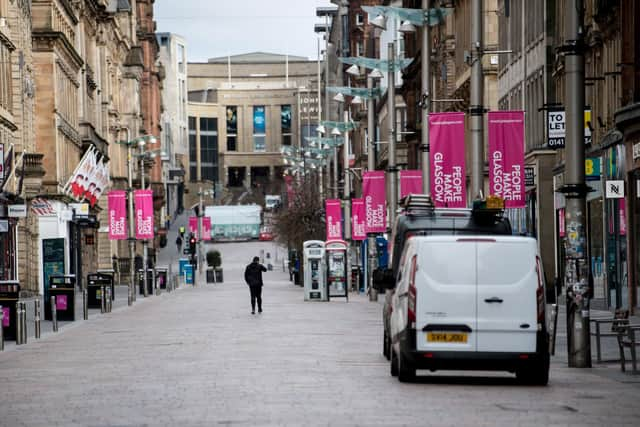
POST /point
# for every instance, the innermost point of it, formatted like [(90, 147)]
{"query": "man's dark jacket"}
[(253, 274)]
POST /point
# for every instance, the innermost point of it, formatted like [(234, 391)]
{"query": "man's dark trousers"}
[(256, 294)]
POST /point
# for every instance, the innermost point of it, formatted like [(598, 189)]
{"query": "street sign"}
[(17, 211), (615, 189), (529, 178), (4, 226)]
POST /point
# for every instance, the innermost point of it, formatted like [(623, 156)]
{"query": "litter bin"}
[(112, 276), (149, 281), (95, 281), (9, 296), (162, 275), (63, 287)]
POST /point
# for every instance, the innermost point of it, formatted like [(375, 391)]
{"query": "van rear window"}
[(505, 263)]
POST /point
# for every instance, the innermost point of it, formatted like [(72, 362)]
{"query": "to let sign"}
[(556, 128)]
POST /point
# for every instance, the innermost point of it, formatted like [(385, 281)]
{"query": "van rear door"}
[(445, 294), (507, 282)]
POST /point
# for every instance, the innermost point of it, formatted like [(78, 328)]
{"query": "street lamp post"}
[(145, 243), (426, 100), (132, 232), (391, 114), (336, 133)]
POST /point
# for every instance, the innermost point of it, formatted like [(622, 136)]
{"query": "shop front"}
[(628, 123), (7, 244)]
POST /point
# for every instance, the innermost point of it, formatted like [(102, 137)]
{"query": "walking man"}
[(253, 277), (179, 243)]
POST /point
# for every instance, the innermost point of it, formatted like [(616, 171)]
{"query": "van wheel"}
[(394, 363), (406, 371), (385, 346), (535, 374)]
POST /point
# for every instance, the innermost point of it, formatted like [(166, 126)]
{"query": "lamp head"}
[(354, 70), (379, 22), (407, 27), (336, 132), (339, 97), (152, 140), (376, 74), (356, 100), (321, 129)]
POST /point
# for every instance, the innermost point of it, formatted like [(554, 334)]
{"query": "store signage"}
[(4, 226), (614, 189), (529, 177), (592, 168), (636, 151), (556, 128), (17, 211), (81, 209)]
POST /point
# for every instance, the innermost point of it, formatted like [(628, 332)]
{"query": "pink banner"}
[(61, 302), (6, 316), (193, 225), (117, 208), (333, 213), (358, 220), (448, 170), (144, 213), (374, 194), (410, 182), (506, 157), (206, 228), (622, 211)]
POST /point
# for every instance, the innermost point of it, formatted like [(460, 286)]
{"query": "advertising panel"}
[(374, 194), (506, 157), (333, 213), (358, 220), (117, 210), (447, 157), (144, 213), (410, 182)]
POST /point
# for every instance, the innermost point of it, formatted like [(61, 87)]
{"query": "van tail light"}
[(540, 293), (411, 309)]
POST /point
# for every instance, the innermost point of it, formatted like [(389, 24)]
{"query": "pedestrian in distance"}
[(253, 277), (181, 230), (179, 243)]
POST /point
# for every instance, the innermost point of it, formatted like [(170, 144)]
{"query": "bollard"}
[(23, 316), (108, 299), (85, 304), (54, 314), (102, 300), (18, 324), (129, 296), (1, 330), (37, 317)]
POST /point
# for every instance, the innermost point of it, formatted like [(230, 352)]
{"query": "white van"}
[(470, 302)]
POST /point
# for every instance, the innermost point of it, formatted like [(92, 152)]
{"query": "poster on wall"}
[(259, 127), (232, 120), (52, 261), (447, 157), (506, 157), (285, 119)]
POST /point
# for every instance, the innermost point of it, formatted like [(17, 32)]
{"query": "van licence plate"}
[(447, 337)]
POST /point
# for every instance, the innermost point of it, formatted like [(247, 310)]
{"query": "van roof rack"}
[(417, 202)]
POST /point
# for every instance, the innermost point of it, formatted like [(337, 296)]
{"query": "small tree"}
[(301, 218), (214, 259)]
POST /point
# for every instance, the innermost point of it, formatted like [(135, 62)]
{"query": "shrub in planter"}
[(214, 261)]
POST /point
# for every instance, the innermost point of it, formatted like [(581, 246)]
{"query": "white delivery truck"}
[(234, 222), (470, 302)]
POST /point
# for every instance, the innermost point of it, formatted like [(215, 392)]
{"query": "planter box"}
[(219, 275), (210, 276)]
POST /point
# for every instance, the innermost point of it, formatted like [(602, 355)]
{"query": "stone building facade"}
[(269, 100)]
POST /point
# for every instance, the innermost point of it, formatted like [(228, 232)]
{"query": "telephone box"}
[(336, 251), (315, 284)]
